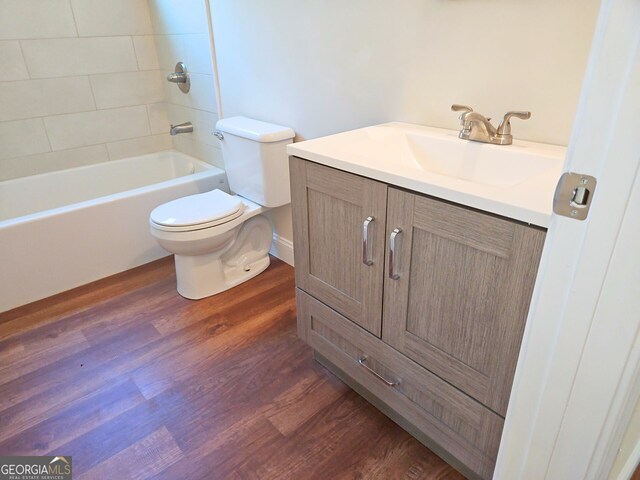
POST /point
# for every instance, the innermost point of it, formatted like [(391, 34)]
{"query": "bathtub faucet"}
[(186, 127)]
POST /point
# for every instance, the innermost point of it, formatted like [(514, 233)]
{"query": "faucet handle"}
[(461, 108), (463, 116), (505, 125), (177, 77)]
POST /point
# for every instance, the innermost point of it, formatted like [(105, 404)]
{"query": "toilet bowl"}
[(221, 240), (218, 240)]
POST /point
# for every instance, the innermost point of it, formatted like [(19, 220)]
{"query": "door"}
[(577, 378), (457, 292), (339, 220)]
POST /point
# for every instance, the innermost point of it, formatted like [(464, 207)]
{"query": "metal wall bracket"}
[(574, 194)]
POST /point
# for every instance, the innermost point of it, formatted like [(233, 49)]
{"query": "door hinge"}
[(574, 194)]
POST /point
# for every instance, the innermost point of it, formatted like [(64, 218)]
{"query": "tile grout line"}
[(24, 59), (149, 117), (73, 16), (146, 111), (75, 113), (95, 102), (135, 52), (93, 93), (46, 132), (77, 75)]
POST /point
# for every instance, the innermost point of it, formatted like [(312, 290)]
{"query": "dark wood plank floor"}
[(136, 382)]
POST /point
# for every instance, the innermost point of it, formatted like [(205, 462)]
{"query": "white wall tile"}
[(139, 146), (146, 53), (130, 88), (202, 151), (111, 17), (181, 34), (172, 17), (158, 118), (170, 50), (90, 128), (21, 19), (204, 123), (79, 56), (39, 98), (52, 161), (198, 53), (201, 94), (113, 66), (193, 49), (13, 66), (22, 137)]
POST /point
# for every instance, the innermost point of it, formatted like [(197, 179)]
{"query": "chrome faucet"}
[(181, 77), (478, 128), (186, 127)]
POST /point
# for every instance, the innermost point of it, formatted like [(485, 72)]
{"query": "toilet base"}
[(200, 276), (196, 279)]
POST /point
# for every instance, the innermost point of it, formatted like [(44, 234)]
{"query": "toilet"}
[(221, 240)]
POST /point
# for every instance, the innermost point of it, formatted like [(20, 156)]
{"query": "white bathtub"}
[(63, 229)]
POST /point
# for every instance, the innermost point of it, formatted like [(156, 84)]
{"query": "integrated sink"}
[(512, 180), (443, 153), (474, 162)]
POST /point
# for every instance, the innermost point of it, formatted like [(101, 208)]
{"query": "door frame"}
[(577, 383)]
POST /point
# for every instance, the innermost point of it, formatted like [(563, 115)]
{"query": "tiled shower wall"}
[(182, 34), (82, 82), (79, 84)]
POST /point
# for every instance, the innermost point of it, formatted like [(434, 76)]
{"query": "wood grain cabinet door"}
[(461, 293), (330, 209)]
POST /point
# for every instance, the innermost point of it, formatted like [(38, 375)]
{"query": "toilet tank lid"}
[(254, 129)]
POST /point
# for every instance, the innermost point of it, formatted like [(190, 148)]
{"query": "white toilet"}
[(221, 240)]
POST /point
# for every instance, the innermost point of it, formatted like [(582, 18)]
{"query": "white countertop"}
[(388, 153)]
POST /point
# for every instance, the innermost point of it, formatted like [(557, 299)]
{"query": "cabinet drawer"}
[(460, 425)]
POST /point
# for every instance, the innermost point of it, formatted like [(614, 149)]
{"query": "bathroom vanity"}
[(414, 283)]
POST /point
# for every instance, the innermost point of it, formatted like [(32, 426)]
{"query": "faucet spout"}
[(479, 128), (186, 127)]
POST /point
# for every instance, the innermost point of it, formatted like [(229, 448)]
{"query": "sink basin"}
[(516, 181), (445, 154), (469, 161)]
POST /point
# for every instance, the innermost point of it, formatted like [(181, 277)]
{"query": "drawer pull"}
[(393, 275), (366, 257), (363, 359)]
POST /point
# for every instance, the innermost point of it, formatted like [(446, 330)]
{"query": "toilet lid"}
[(215, 206)]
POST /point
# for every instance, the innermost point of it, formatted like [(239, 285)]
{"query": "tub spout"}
[(186, 127)]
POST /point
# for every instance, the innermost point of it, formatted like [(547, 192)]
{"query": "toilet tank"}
[(256, 161)]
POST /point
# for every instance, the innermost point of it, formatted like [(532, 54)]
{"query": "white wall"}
[(79, 84), (324, 66), (182, 34)]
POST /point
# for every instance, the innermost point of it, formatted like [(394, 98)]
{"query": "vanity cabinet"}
[(417, 303)]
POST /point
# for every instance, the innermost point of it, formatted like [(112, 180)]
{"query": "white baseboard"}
[(282, 248)]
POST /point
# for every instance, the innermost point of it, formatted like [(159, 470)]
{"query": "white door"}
[(577, 376)]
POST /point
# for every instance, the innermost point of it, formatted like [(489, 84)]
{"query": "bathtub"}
[(67, 228)]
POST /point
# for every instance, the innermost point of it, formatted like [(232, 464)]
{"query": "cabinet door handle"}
[(393, 275), (363, 359), (366, 257)]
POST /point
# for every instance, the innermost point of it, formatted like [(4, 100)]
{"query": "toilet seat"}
[(196, 212)]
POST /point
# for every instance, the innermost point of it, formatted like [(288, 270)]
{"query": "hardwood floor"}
[(136, 382)]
